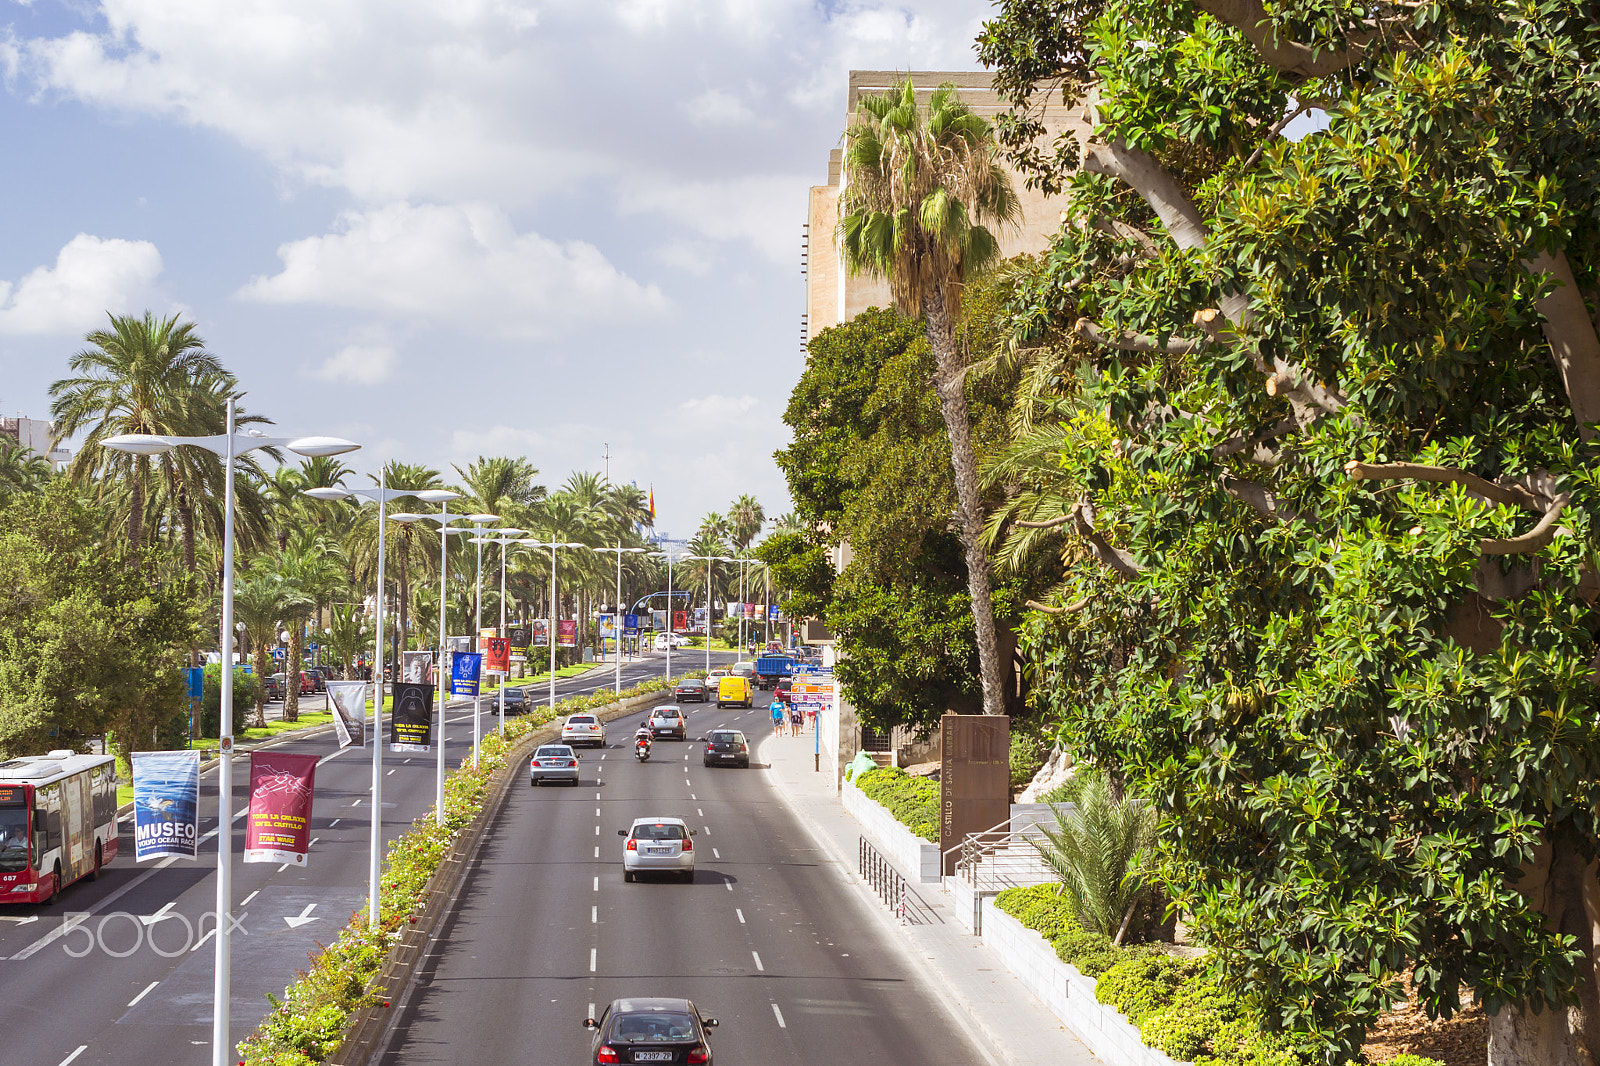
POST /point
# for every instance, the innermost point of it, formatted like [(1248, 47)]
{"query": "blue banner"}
[(464, 669), (166, 804), (195, 679), (772, 612), (630, 622)]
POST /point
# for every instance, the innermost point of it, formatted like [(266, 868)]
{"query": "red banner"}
[(567, 633), (680, 620), (281, 788), (496, 655)]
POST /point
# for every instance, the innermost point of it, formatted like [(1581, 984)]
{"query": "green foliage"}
[(1046, 909), (91, 637), (245, 686), (914, 801), (1140, 987), (1095, 849), (307, 1023)]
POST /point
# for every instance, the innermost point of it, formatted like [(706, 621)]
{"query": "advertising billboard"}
[(567, 633), (349, 699), (496, 655), (166, 804), (464, 668), (282, 785), (411, 724)]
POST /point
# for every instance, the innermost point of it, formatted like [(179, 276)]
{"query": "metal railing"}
[(999, 858), (883, 878)]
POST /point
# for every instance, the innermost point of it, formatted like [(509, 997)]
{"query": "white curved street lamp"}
[(616, 615), (507, 536), (708, 560), (228, 446), (670, 557), (550, 631)]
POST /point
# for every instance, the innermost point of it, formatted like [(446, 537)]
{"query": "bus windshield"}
[(13, 839)]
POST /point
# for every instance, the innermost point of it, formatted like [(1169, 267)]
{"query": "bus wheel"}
[(55, 890), (94, 875)]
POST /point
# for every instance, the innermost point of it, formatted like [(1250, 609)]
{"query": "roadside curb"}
[(369, 1030)]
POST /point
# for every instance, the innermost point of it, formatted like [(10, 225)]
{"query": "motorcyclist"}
[(642, 736)]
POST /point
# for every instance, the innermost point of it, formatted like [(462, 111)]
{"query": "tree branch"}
[(1053, 523), (1277, 128), (1253, 441), (1482, 488), (1250, 18), (1071, 608), (1115, 227), (1535, 539), (1083, 521), (1573, 342), (1258, 496), (1132, 342)]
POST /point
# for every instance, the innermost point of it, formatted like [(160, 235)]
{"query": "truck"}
[(58, 823), (770, 669)]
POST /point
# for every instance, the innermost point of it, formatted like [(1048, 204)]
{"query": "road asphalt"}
[(119, 973), (769, 938)]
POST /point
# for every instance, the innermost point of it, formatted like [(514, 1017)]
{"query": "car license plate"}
[(652, 1056), (660, 851)]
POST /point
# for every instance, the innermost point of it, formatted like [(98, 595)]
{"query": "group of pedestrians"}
[(786, 719)]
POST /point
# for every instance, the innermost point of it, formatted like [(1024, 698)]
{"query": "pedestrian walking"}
[(794, 720), (779, 719)]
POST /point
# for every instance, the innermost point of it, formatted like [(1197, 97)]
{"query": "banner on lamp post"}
[(567, 633), (411, 723), (496, 655), (773, 613), (750, 610), (166, 804), (520, 637), (680, 620), (282, 785), (349, 699), (541, 632), (465, 668), (418, 668)]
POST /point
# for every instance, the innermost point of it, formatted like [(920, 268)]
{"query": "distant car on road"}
[(666, 640), (583, 729), (784, 690), (553, 762), (272, 685), (650, 1030), (726, 747), (668, 721), (736, 691), (516, 701), (657, 845), (307, 686), (690, 688)]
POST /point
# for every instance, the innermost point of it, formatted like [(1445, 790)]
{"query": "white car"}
[(583, 729), (661, 844), (670, 640)]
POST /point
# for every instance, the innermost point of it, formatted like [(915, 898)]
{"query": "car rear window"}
[(581, 719), (553, 751), (666, 831), (727, 738), (693, 682), (652, 1027)]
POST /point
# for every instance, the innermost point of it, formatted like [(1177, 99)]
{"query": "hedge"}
[(1177, 1005), (914, 801), (305, 1026)]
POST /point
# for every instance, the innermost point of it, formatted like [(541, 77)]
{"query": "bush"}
[(913, 801), (1140, 987), (1046, 909), (244, 699)]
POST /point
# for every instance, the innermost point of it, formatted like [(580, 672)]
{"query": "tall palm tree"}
[(349, 634), (144, 375), (745, 518), (312, 570), (715, 526), (922, 188), (22, 470), (262, 599)]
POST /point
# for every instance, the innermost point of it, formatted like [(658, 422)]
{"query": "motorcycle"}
[(641, 750)]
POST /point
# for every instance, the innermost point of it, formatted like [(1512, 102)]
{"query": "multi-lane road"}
[(768, 938), (120, 970)]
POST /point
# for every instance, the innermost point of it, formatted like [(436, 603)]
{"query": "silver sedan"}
[(658, 845), (553, 762)]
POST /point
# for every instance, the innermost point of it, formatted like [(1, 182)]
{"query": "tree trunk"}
[(261, 686), (1563, 887), (1573, 343), (950, 383), (186, 515), (291, 675)]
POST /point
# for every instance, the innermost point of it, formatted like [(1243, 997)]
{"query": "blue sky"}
[(446, 229)]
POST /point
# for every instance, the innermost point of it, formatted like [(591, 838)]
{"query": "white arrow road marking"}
[(152, 919), (305, 916)]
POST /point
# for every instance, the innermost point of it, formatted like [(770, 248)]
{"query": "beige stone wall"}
[(831, 295)]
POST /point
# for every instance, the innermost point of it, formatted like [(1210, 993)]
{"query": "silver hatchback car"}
[(553, 762), (662, 844)]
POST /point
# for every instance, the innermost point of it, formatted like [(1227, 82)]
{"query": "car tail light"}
[(688, 845), (698, 1054), (572, 762), (632, 845), (609, 1054)]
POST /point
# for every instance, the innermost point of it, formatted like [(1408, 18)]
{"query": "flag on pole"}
[(652, 503)]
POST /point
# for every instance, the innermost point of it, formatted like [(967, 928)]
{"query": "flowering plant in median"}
[(306, 1025)]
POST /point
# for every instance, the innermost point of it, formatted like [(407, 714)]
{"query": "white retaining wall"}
[(1068, 994), (910, 854)]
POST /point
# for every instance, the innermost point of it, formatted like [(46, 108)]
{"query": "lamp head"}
[(483, 518), (326, 494), (574, 544), (407, 517), (437, 495), (137, 443), (318, 446), (510, 531)]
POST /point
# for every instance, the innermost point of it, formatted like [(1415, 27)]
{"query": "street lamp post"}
[(508, 536), (444, 518), (478, 520), (550, 629), (228, 446), (669, 557), (380, 496), (708, 560), (616, 615)]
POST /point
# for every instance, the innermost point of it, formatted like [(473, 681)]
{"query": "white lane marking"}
[(740, 913), (692, 795), (391, 771), (592, 956), (335, 822), (152, 919), (597, 884), (594, 915), (698, 811), (591, 1010), (757, 956), (143, 994), (597, 851), (596, 830), (332, 755), (302, 918), (686, 759), (246, 901), (597, 795), (715, 854), (728, 885), (408, 762), (706, 829), (597, 812), (602, 757), (313, 842), (285, 866), (74, 1055), (77, 919), (779, 1015)]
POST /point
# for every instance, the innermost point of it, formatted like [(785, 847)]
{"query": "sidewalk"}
[(1001, 1014)]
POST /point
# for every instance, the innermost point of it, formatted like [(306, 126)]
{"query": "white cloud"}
[(468, 444), (718, 409), (358, 364), (461, 265), (91, 276), (764, 212), (718, 107), (690, 257)]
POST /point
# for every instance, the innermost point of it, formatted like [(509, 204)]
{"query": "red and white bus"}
[(58, 823)]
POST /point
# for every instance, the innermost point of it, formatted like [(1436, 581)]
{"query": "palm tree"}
[(22, 470), (261, 600), (145, 375), (922, 186), (745, 518), (312, 571), (714, 526), (349, 635)]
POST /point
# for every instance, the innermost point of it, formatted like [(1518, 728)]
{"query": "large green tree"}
[(1327, 468), (922, 188)]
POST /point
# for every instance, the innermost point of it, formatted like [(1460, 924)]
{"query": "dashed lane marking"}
[(74, 1055), (757, 956), (593, 954), (134, 1001), (740, 913), (778, 1014)]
